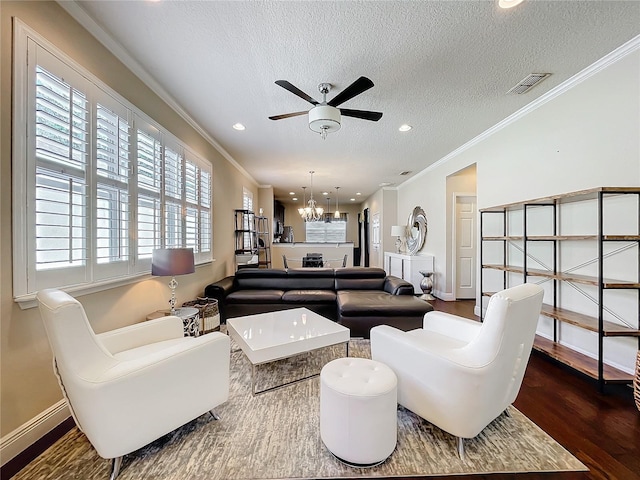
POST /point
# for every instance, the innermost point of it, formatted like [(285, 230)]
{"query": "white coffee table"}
[(267, 337)]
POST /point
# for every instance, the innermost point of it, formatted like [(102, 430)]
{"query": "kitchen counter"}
[(332, 253)]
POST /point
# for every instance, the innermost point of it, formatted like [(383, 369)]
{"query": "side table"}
[(190, 319)]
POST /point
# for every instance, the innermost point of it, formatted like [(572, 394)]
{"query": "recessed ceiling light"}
[(358, 193), (325, 193), (294, 198), (405, 127), (353, 199), (238, 126), (508, 3), (385, 184), (292, 193)]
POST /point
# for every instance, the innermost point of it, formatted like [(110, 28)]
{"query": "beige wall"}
[(27, 384)]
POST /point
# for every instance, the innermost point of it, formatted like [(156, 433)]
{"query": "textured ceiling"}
[(444, 67)]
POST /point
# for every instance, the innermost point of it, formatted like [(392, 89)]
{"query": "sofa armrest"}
[(397, 286), (220, 289)]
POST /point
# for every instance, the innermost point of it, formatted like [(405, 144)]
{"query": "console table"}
[(408, 267)]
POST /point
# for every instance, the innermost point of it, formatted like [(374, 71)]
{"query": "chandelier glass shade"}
[(309, 211)]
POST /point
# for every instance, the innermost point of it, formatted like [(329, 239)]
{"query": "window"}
[(331, 230), (247, 204), (102, 185)]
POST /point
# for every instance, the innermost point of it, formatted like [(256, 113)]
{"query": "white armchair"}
[(130, 386), (460, 374)]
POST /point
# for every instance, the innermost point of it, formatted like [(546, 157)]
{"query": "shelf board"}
[(503, 238), (579, 362), (539, 238), (564, 198), (571, 277), (588, 322), (621, 238)]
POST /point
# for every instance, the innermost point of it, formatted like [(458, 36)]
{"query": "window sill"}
[(29, 301)]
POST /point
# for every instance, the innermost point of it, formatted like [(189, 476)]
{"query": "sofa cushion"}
[(309, 296), (358, 303), (258, 278), (359, 278), (255, 296), (312, 278)]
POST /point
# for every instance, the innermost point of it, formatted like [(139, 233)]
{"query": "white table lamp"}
[(398, 232)]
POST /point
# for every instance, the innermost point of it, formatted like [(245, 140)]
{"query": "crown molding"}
[(84, 19)]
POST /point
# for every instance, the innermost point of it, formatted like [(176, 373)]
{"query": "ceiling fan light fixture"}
[(324, 119)]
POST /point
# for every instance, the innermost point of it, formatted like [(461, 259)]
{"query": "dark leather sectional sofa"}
[(357, 297)]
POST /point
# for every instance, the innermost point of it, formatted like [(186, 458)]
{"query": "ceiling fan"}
[(325, 117)]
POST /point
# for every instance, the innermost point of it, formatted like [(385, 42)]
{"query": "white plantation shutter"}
[(173, 228), (112, 230), (192, 195), (149, 179), (247, 204), (205, 213), (197, 183), (102, 184), (57, 229)]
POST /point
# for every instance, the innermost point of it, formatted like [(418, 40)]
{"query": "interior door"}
[(365, 229), (465, 247)]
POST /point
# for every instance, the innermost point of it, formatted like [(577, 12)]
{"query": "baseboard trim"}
[(23, 437), (447, 297)]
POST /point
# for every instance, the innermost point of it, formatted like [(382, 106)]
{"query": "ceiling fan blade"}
[(365, 115), (356, 88), (296, 91), (287, 115)]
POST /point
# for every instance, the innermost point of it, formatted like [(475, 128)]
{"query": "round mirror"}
[(416, 230)]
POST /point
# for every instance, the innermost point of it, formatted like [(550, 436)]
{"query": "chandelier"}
[(310, 213)]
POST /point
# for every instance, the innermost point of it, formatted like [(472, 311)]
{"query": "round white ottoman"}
[(358, 410)]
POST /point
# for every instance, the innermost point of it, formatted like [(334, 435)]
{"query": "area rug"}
[(276, 436)]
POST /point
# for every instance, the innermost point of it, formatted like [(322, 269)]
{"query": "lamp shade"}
[(324, 117), (397, 231), (167, 262)]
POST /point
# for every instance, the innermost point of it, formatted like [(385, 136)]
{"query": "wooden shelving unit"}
[(595, 368), (264, 242), (245, 236)]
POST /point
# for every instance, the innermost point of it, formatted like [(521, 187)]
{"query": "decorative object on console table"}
[(209, 313), (426, 284), (398, 231), (167, 262), (190, 319)]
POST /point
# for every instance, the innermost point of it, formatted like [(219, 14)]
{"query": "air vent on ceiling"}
[(528, 83)]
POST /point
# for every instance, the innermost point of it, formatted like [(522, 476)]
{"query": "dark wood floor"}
[(601, 430)]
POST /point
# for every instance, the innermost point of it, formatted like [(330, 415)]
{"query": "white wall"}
[(587, 136)]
